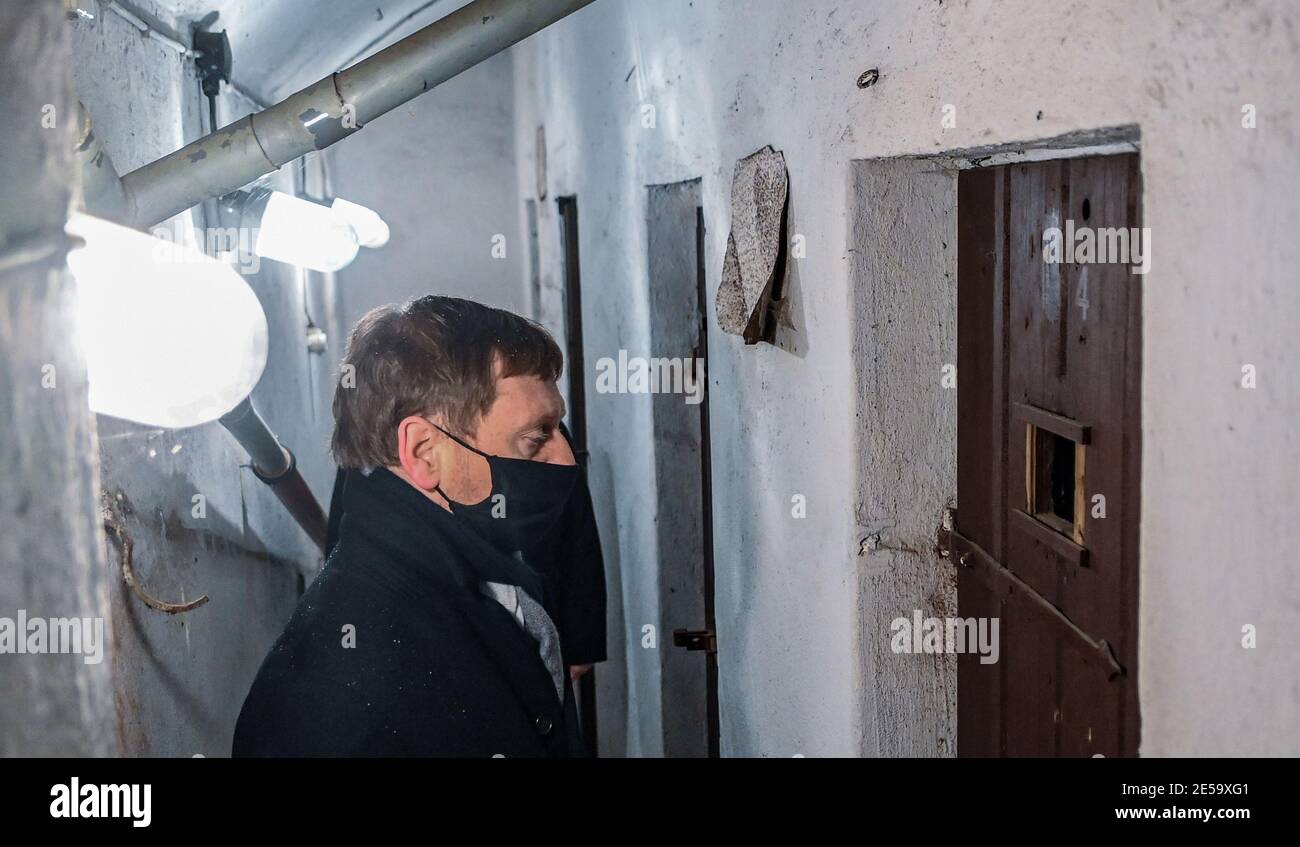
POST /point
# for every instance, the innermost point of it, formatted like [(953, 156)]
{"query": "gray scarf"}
[(533, 618)]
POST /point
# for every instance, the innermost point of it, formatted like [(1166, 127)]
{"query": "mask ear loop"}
[(450, 502), (462, 443), (472, 449)]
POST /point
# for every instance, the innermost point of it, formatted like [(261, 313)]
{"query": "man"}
[(571, 553), (437, 625)]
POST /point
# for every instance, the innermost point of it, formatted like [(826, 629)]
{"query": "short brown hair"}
[(429, 356)]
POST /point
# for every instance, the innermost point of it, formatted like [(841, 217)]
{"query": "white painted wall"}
[(441, 172), (1219, 465)]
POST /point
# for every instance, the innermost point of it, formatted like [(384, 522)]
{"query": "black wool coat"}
[(394, 651), (569, 557)]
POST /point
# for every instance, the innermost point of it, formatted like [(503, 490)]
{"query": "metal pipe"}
[(275, 465), (270, 458), (101, 188), (335, 107)]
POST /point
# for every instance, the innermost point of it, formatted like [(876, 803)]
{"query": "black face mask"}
[(527, 500)]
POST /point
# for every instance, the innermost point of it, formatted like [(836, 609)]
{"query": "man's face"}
[(522, 423)]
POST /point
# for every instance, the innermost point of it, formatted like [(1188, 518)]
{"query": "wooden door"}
[(1049, 429)]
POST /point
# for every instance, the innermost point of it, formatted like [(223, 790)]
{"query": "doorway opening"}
[(932, 343)]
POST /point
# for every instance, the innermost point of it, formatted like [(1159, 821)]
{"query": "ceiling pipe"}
[(333, 108)]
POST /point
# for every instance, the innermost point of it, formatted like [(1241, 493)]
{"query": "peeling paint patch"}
[(325, 130), (197, 156)]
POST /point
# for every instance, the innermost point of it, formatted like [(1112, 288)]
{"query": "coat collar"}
[(432, 548), (393, 514)]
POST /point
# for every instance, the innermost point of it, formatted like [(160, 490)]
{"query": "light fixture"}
[(298, 232), (301, 232), (172, 337)]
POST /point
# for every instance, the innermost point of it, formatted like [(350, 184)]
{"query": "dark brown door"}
[(1049, 425)]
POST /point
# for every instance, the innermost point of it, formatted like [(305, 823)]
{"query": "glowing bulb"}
[(304, 233), (172, 337), (370, 228)]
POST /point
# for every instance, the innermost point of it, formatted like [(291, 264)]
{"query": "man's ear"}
[(417, 451)]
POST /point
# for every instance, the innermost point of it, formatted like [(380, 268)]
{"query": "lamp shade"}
[(172, 337)]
